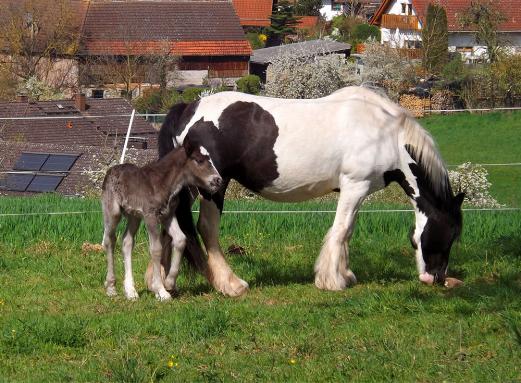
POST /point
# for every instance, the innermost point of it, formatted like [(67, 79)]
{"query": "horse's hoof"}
[(163, 296), (111, 291), (131, 295), (350, 277), (170, 284), (236, 287), (335, 283)]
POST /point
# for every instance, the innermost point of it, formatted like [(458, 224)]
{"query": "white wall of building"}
[(327, 10), (400, 38)]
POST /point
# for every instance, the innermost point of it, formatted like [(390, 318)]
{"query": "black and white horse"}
[(354, 142)]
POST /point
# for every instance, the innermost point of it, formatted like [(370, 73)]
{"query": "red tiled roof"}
[(306, 22), (255, 13), (454, 8), (203, 27), (87, 131), (181, 48)]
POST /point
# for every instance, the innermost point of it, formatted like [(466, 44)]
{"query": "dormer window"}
[(404, 8)]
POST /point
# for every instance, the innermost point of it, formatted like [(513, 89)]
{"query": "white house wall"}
[(327, 10), (395, 37), (465, 43)]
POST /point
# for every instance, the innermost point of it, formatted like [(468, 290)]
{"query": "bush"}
[(290, 76), (256, 40), (388, 68), (150, 102), (249, 84), (508, 72), (363, 32), (191, 94), (39, 90), (473, 180)]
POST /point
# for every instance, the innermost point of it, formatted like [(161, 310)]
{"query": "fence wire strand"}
[(255, 212)]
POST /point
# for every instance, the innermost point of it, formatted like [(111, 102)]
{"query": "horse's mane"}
[(166, 140), (421, 147)]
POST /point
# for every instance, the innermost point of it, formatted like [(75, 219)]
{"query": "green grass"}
[(388, 327), (489, 138)]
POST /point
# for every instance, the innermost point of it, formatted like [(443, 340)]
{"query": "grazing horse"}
[(149, 193), (354, 142)]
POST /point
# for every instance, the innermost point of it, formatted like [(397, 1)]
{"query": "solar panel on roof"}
[(44, 183), (30, 161), (18, 182), (59, 162)]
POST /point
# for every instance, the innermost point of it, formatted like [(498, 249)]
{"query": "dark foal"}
[(149, 193)]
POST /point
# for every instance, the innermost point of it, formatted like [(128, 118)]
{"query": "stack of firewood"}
[(414, 104)]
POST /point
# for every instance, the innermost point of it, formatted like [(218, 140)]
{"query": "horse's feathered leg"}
[(332, 267), (219, 273)]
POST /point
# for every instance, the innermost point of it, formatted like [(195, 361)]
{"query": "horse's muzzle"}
[(215, 184), (433, 279)]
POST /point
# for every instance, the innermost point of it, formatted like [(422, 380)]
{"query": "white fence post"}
[(127, 137)]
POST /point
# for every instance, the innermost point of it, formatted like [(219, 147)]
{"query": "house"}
[(253, 13), (262, 58), (401, 23), (205, 35), (48, 146), (364, 8)]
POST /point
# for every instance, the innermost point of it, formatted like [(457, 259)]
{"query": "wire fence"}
[(156, 116), (260, 212)]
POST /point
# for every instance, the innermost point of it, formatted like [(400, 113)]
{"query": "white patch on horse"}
[(203, 151)]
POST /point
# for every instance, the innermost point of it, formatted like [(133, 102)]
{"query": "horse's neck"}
[(427, 197)]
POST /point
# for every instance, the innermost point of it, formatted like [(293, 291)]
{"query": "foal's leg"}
[(111, 218), (127, 247), (219, 274), (332, 267), (155, 256), (178, 246)]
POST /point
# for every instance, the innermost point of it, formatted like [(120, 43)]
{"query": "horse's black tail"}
[(166, 142)]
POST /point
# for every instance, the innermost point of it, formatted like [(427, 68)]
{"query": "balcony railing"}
[(400, 21)]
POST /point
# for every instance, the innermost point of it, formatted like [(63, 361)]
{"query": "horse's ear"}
[(458, 200)]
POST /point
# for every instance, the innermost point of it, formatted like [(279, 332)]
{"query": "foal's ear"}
[(458, 200), (188, 147)]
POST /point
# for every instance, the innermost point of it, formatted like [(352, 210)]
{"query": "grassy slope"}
[(488, 138), (388, 327)]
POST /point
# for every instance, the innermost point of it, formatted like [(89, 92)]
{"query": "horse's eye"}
[(200, 161)]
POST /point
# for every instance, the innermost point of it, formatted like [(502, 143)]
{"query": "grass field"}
[(493, 138), (57, 325)]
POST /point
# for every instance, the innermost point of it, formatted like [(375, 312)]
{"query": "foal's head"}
[(199, 168)]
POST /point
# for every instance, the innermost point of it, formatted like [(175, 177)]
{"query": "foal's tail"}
[(422, 149), (167, 142)]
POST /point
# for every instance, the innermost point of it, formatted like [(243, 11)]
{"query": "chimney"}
[(21, 97), (80, 101)]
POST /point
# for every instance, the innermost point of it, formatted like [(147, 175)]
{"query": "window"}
[(409, 9), (336, 7), (31, 172), (97, 93), (404, 8)]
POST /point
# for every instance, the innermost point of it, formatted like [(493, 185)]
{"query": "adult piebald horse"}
[(354, 142)]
